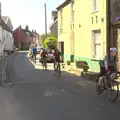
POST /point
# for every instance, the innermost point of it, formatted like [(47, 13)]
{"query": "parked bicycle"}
[(109, 86)]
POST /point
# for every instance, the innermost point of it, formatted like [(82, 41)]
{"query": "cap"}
[(113, 50)]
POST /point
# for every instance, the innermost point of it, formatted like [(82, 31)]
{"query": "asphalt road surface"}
[(36, 94)]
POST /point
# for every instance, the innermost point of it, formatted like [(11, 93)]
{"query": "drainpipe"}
[(108, 25)]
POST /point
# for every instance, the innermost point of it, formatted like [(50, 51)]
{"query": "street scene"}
[(59, 60), (38, 94)]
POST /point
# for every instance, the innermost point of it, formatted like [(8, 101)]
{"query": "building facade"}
[(54, 25), (83, 31)]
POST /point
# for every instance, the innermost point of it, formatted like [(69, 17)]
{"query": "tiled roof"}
[(53, 23), (4, 18), (30, 33), (66, 2), (2, 23)]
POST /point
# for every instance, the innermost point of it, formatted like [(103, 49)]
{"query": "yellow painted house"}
[(82, 31)]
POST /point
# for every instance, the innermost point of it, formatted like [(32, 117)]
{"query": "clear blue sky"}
[(29, 12)]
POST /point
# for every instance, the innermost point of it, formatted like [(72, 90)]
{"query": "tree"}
[(50, 42), (43, 37)]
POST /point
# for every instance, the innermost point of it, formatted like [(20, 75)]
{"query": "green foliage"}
[(50, 42), (43, 36)]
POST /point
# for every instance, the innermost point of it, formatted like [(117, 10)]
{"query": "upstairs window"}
[(95, 5), (72, 10), (61, 16)]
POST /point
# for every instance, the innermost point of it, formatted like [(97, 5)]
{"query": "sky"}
[(29, 12)]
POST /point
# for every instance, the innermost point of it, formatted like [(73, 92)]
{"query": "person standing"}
[(34, 51)]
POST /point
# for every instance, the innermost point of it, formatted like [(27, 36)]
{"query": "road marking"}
[(48, 93)]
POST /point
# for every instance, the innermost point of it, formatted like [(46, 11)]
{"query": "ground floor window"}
[(96, 43)]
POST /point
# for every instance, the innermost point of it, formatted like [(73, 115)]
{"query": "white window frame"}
[(72, 11), (97, 43), (95, 5)]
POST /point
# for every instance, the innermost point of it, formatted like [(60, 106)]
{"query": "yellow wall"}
[(65, 36), (83, 34), (83, 43)]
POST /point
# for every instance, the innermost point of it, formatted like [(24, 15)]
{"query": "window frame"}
[(96, 43), (72, 11), (61, 17), (95, 5)]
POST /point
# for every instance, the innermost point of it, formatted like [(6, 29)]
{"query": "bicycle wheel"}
[(99, 89), (113, 91), (58, 70)]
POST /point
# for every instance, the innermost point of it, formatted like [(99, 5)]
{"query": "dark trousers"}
[(34, 57)]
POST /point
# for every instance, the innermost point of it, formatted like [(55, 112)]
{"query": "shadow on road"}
[(22, 71)]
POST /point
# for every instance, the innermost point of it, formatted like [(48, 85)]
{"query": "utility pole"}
[(45, 20)]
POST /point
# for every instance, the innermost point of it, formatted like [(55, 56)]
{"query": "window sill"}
[(95, 11), (72, 23)]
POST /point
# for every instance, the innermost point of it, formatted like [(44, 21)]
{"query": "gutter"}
[(108, 25)]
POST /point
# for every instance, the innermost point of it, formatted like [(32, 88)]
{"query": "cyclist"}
[(34, 53), (109, 64), (57, 55), (43, 55)]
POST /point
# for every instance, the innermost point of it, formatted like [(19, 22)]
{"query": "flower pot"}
[(85, 68), (68, 62)]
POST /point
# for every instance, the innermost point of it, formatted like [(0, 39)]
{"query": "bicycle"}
[(44, 62), (57, 68), (109, 86)]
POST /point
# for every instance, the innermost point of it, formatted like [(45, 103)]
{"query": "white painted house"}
[(9, 40), (1, 42), (6, 35)]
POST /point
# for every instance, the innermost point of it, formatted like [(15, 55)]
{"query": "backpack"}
[(102, 63)]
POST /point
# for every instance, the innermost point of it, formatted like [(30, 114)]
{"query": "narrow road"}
[(36, 94)]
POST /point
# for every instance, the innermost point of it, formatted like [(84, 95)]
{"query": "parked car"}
[(50, 57), (39, 49)]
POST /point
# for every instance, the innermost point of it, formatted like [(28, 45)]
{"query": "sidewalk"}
[(3, 69)]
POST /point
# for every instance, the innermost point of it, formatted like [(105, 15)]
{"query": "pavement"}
[(36, 94)]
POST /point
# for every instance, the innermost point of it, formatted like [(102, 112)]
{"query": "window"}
[(95, 5), (97, 43), (72, 10), (61, 15)]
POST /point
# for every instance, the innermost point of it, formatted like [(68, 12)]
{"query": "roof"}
[(2, 23), (53, 23), (35, 33), (63, 4), (4, 18), (30, 33)]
